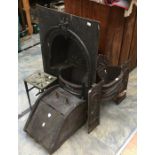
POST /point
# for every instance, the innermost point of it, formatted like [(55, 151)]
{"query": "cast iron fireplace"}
[(85, 79)]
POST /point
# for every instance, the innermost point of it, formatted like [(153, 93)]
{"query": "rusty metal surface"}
[(85, 79), (63, 101), (79, 44), (123, 89), (110, 85), (111, 77), (57, 116), (40, 79), (94, 107)]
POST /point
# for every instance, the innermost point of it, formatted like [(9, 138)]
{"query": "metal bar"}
[(24, 113), (37, 93), (28, 47), (27, 92), (31, 88)]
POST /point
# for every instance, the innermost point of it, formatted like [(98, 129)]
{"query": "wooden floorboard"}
[(131, 148)]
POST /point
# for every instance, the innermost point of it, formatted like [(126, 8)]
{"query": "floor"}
[(117, 125), (131, 148)]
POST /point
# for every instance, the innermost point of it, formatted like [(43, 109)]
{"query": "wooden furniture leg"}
[(26, 7)]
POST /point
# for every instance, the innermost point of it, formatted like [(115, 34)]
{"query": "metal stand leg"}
[(122, 93), (27, 92)]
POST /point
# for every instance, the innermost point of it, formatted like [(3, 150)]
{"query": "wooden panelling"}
[(114, 35), (73, 7), (133, 49), (127, 36), (86, 9), (101, 14), (116, 32)]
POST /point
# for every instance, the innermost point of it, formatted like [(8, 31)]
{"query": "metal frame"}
[(41, 90), (29, 89)]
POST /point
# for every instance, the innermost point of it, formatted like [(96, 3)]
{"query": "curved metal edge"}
[(37, 103), (62, 127)]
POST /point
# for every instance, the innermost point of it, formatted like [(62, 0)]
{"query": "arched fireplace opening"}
[(68, 57), (58, 51)]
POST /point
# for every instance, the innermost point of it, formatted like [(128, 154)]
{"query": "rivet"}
[(49, 115), (98, 27), (43, 124), (89, 24), (117, 79), (50, 77)]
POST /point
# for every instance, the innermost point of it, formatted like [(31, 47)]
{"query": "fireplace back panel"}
[(65, 33)]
